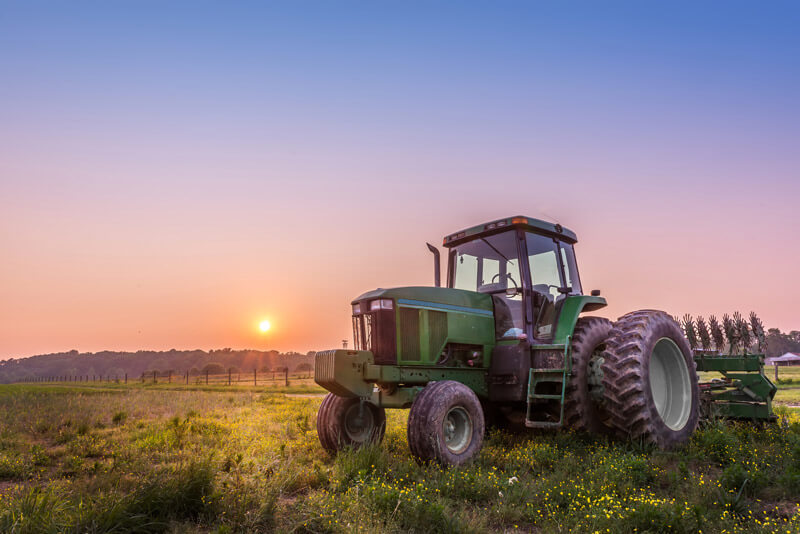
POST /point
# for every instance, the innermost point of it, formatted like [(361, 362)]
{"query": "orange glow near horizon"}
[(254, 163)]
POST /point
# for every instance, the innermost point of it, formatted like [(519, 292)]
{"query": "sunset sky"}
[(173, 174)]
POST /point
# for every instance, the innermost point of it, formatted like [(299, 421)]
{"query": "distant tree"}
[(117, 372), (779, 344), (213, 368), (159, 363), (304, 367), (194, 371)]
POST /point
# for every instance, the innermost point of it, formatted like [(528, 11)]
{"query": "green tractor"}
[(506, 343)]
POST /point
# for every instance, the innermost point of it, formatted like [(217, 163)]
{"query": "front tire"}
[(650, 380), (346, 422), (445, 424)]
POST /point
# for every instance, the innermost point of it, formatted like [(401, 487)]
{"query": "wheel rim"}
[(594, 376), (358, 423), (457, 427), (670, 384)]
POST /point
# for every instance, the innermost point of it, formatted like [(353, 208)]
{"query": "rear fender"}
[(571, 309)]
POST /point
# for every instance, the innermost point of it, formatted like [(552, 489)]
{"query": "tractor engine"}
[(410, 327), (423, 326)]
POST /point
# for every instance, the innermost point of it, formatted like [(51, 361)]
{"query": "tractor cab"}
[(526, 265)]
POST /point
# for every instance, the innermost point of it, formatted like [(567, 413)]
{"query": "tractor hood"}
[(418, 325), (437, 297)]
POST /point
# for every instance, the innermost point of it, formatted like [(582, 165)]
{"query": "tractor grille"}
[(437, 331), (375, 332), (409, 334)]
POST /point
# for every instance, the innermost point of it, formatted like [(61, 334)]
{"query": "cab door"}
[(548, 288)]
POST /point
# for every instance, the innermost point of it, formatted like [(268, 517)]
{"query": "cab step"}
[(546, 389)]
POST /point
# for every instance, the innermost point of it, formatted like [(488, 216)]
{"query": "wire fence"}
[(256, 378)]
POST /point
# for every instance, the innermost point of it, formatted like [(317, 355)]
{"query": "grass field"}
[(156, 458)]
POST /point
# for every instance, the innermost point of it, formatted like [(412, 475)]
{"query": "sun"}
[(264, 326)]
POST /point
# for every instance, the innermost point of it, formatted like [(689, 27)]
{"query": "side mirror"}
[(595, 292), (512, 292)]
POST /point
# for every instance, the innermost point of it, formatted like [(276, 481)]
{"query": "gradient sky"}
[(172, 173)]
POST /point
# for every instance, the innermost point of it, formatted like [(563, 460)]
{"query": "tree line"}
[(134, 364), (219, 361)]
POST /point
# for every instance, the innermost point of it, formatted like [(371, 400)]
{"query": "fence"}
[(256, 378)]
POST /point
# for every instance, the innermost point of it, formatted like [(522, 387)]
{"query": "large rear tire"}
[(650, 380), (345, 422), (584, 395), (445, 424)]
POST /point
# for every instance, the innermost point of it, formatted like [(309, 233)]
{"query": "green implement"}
[(743, 392)]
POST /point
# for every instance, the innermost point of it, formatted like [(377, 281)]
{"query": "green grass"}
[(168, 458), (788, 395)]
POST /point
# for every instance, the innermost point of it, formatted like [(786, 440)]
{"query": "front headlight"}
[(381, 304)]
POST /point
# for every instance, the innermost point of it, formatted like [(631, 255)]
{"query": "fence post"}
[(206, 376), (154, 377), (286, 376), (126, 378), (187, 378), (229, 376), (170, 376), (255, 377), (776, 370)]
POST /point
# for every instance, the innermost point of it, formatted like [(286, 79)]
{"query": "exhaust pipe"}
[(437, 277)]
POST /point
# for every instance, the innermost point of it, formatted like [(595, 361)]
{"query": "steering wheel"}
[(507, 275)]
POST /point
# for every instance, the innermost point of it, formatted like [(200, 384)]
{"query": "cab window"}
[(491, 265), (570, 268), (545, 271)]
